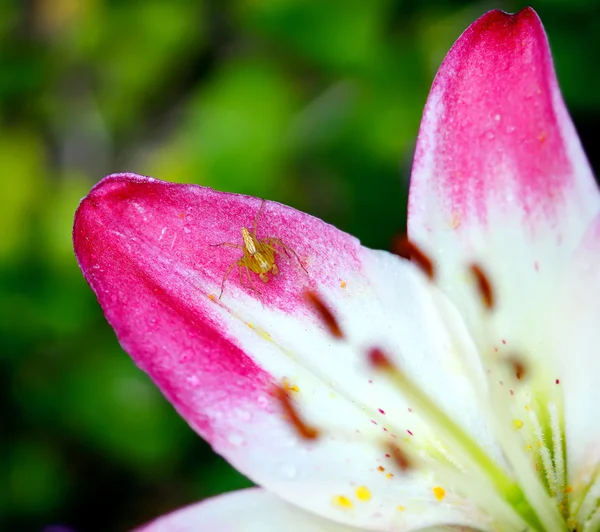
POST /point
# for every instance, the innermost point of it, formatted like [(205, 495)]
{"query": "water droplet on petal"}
[(236, 439), (289, 471), (193, 380)]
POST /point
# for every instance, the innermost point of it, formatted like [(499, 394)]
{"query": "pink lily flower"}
[(366, 391)]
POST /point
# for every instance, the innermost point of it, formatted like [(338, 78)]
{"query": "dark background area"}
[(313, 103)]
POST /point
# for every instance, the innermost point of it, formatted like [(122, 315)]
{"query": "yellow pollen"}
[(261, 332), (439, 493), (343, 502), (381, 468), (455, 220), (400, 508), (568, 489), (212, 297), (389, 475), (343, 284), (288, 386), (518, 424), (363, 493)]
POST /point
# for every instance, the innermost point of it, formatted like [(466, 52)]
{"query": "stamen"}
[(518, 366), (544, 453), (483, 286), (593, 523), (589, 507), (326, 315), (557, 443), (304, 431), (379, 359), (406, 249), (400, 457)]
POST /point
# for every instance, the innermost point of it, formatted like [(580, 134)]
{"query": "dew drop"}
[(236, 439), (241, 414), (289, 471), (185, 356), (263, 401), (193, 380), (187, 230)]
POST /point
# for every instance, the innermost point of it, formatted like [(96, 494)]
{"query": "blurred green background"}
[(314, 103)]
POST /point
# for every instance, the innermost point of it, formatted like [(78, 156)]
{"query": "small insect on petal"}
[(484, 286), (325, 313), (406, 249), (304, 431), (258, 256)]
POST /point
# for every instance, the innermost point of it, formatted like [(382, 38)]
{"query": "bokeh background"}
[(314, 103)]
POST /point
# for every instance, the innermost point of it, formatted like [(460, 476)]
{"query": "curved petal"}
[(250, 510), (145, 247), (576, 340), (499, 175)]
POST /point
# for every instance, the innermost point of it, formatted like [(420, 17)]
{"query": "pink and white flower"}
[(461, 395)]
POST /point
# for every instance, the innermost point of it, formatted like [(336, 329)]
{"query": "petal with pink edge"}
[(147, 249), (500, 177)]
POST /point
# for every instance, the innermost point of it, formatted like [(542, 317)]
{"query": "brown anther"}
[(304, 431), (406, 249), (518, 367), (325, 313), (400, 458), (483, 286), (379, 359)]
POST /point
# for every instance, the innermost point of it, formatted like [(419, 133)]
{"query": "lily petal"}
[(146, 248), (250, 510), (577, 337), (500, 178)]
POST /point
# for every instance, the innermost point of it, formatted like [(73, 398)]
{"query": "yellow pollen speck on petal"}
[(517, 424), (212, 297), (288, 386), (343, 502), (568, 489), (455, 220), (261, 332), (439, 493), (343, 284), (400, 508), (389, 475), (363, 493)]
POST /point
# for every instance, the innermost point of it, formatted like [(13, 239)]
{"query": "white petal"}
[(251, 510), (577, 344), (500, 178), (389, 304)]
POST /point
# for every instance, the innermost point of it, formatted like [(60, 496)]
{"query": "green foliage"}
[(309, 102)]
